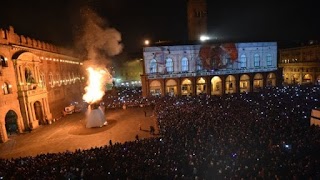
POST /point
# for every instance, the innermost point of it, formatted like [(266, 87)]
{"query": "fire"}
[(95, 88)]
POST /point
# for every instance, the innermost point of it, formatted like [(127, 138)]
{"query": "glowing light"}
[(204, 38), (95, 88), (146, 42)]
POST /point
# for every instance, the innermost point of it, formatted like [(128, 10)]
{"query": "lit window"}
[(184, 65), (169, 65), (269, 60), (4, 62), (153, 66), (256, 60), (51, 80), (6, 88), (243, 61)]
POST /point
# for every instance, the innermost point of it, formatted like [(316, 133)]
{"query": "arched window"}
[(58, 79), (256, 60), (28, 76), (153, 66), (243, 61), (184, 65), (69, 78), (64, 77), (73, 78), (42, 80), (51, 80), (4, 62), (169, 65), (269, 60), (6, 88), (199, 65)]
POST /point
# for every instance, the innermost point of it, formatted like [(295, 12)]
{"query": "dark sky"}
[(58, 21)]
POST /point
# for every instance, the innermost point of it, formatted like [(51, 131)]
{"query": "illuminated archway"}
[(244, 83), (186, 87), (271, 80), (155, 88), (201, 86), (307, 78), (257, 82), (230, 85), (216, 86), (171, 87)]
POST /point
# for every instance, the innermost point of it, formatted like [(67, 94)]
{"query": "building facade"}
[(212, 69), (301, 65), (38, 80)]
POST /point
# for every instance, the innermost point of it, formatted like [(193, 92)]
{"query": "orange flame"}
[(95, 89)]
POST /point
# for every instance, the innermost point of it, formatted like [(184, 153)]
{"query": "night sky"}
[(59, 21)]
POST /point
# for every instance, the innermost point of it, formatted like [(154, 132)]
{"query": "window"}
[(243, 61), (73, 78), (6, 88), (256, 60), (269, 60), (4, 62), (51, 80), (184, 65), (153, 66), (199, 65), (42, 80), (59, 81), (28, 76), (169, 65)]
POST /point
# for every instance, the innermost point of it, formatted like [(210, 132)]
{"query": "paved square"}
[(70, 133)]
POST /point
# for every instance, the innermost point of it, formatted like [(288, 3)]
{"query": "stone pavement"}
[(70, 133)]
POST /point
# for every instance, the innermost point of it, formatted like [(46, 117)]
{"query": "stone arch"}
[(307, 78), (271, 80), (155, 88), (257, 82), (171, 87), (230, 84), (201, 87), (11, 122), (216, 86), (244, 83), (318, 80), (186, 87)]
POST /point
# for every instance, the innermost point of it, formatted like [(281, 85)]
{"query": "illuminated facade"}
[(301, 65), (128, 73), (212, 69), (37, 81)]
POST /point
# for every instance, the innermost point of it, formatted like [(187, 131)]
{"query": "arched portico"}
[(230, 85), (201, 86), (186, 87), (271, 80), (171, 87), (155, 88), (244, 83), (216, 86), (11, 122), (257, 82)]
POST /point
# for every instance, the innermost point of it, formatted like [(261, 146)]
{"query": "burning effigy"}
[(95, 90), (95, 116)]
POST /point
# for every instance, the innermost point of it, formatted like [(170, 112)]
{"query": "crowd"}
[(264, 135)]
